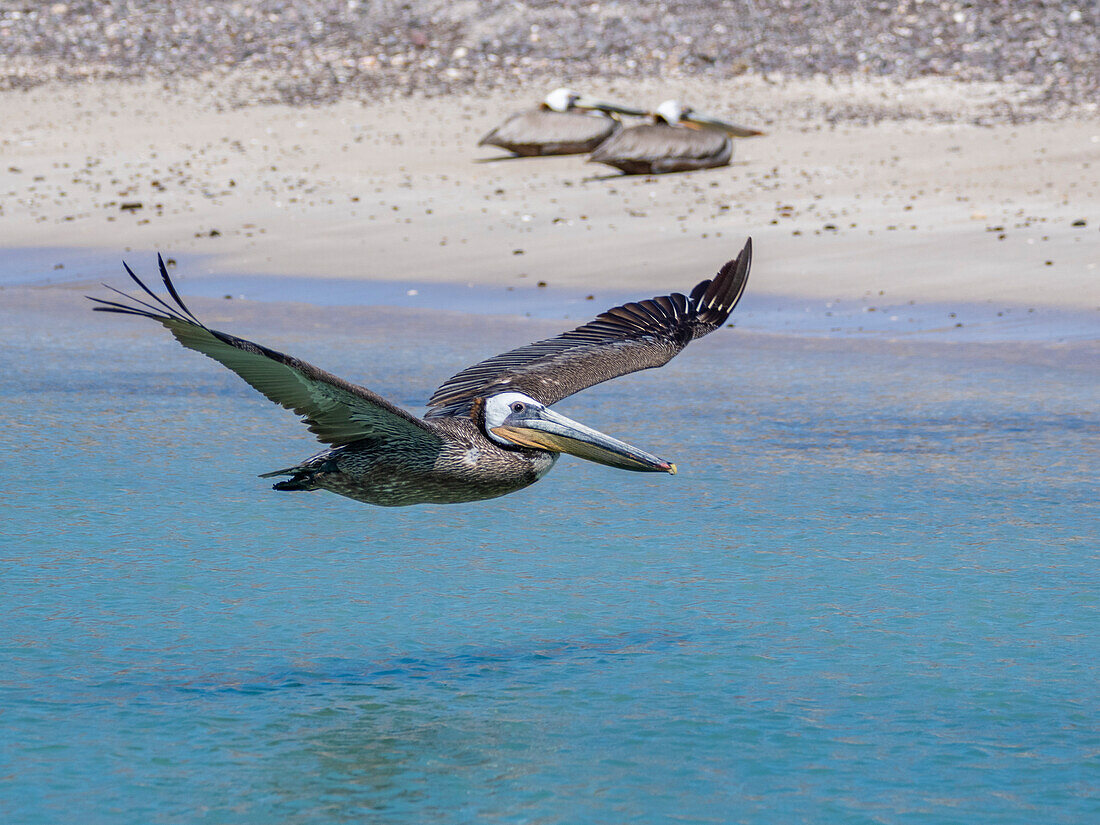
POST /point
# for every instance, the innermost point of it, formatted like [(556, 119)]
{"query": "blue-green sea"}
[(869, 596)]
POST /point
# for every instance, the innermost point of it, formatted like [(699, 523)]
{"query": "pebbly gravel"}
[(311, 51)]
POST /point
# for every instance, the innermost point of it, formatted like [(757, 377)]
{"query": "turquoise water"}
[(870, 595)]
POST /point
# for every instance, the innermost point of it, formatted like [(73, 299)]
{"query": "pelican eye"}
[(518, 407)]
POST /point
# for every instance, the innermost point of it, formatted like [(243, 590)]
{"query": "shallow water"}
[(869, 595), (865, 317)]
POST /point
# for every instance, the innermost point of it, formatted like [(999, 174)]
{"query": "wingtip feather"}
[(171, 287), (720, 295)]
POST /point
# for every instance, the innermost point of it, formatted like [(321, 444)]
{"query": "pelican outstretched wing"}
[(627, 338), (336, 411)]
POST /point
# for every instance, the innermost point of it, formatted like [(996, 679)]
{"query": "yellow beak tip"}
[(672, 469)]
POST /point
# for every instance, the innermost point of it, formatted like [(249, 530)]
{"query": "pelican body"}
[(489, 430), (566, 123), (678, 140)]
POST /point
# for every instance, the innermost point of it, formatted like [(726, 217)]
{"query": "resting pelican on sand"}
[(567, 123), (679, 140), (489, 430)]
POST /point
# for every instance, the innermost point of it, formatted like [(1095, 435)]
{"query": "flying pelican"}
[(489, 430), (678, 140), (561, 125)]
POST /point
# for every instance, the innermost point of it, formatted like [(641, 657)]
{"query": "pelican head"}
[(673, 112), (513, 419), (563, 100)]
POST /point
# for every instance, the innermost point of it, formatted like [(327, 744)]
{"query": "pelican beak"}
[(714, 123), (544, 429), (584, 102)]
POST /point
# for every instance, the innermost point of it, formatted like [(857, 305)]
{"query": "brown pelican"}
[(489, 430), (562, 125), (679, 140)]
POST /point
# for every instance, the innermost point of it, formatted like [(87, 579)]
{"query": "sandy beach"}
[(861, 187)]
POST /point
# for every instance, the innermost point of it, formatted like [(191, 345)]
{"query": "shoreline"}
[(870, 319)]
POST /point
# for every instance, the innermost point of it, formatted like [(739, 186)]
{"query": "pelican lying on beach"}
[(679, 140), (489, 430), (566, 123)]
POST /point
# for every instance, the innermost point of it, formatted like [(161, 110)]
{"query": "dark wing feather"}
[(337, 411), (627, 338), (658, 142)]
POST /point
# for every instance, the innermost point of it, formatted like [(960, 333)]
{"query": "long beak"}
[(547, 430), (584, 102), (715, 123)]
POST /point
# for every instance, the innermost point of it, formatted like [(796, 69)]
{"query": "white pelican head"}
[(561, 100), (564, 100), (671, 111), (514, 419)]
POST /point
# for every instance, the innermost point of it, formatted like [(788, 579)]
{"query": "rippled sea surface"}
[(870, 595)]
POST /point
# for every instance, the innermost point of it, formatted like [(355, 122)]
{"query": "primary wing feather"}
[(635, 336), (336, 411)]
